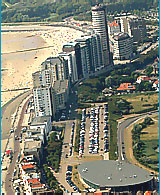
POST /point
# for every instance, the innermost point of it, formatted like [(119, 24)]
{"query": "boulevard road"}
[(7, 112), (120, 133), (8, 184)]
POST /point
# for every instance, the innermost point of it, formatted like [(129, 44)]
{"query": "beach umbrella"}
[(8, 151)]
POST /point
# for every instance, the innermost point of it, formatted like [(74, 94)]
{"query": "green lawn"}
[(150, 151), (150, 137), (142, 101), (76, 179), (152, 131)]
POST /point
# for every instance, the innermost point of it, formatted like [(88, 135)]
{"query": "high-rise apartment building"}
[(61, 94), (42, 78), (68, 57), (84, 58), (43, 101), (132, 25), (75, 47), (94, 55), (99, 23), (121, 46), (58, 67)]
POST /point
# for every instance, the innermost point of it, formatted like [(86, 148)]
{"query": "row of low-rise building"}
[(30, 177)]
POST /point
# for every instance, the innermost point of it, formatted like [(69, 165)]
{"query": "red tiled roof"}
[(33, 181), (36, 186), (144, 78), (29, 166), (157, 59), (125, 86), (113, 24), (157, 81), (147, 193)]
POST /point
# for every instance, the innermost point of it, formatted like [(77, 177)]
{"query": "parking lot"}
[(94, 134), (94, 141)]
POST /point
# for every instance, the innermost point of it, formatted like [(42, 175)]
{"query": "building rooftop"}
[(109, 173), (113, 24), (157, 82), (126, 86), (70, 44), (38, 186), (40, 120), (144, 78), (120, 36), (52, 61), (33, 181), (32, 145), (98, 7), (60, 86), (28, 166)]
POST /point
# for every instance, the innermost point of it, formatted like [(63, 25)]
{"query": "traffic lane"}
[(8, 183), (5, 106), (9, 111), (64, 161), (122, 126), (128, 122)]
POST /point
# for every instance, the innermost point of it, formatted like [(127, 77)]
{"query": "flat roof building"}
[(61, 92), (43, 102), (119, 176), (75, 47), (121, 46)]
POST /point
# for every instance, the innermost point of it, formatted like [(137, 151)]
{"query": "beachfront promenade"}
[(13, 111)]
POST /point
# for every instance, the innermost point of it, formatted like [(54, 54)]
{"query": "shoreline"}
[(23, 53)]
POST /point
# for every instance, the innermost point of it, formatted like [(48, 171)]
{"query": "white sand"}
[(17, 68)]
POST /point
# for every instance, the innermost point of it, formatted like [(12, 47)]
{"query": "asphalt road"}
[(8, 185), (65, 161), (6, 114), (120, 133)]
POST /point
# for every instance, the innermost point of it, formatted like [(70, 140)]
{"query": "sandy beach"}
[(17, 67)]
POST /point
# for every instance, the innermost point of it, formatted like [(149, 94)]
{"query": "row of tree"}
[(39, 10), (139, 146), (53, 152)]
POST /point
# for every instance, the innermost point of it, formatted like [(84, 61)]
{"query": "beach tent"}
[(8, 152)]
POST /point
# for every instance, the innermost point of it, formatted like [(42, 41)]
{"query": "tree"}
[(149, 70), (148, 86), (148, 121)]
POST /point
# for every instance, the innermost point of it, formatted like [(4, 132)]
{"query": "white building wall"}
[(100, 26), (122, 49), (42, 101)]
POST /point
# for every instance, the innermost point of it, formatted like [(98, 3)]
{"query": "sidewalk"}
[(5, 161)]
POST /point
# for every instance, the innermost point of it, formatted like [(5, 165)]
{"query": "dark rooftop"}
[(120, 36), (109, 173)]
